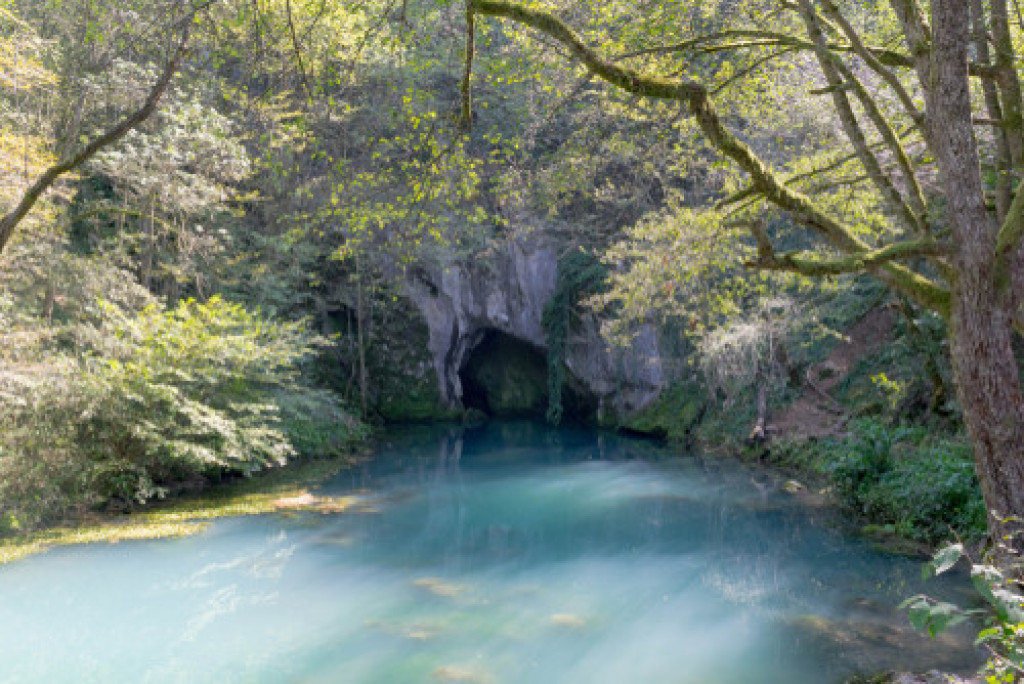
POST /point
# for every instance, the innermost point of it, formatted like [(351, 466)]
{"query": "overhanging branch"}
[(112, 135), (809, 265), (764, 180), (880, 56)]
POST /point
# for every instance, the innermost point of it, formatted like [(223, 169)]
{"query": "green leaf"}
[(917, 610), (986, 579), (943, 616), (944, 559), (932, 618)]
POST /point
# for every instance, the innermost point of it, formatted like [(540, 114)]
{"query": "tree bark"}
[(1004, 157), (985, 370), (1008, 81)]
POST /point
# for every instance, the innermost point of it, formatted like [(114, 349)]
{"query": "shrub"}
[(930, 492), (164, 399), (920, 490)]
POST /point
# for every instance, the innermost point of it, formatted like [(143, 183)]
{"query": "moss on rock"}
[(402, 375), (419, 400), (674, 415)]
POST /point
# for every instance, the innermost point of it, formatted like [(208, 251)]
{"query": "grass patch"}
[(184, 516)]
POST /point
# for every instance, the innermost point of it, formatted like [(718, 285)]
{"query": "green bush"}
[(316, 424), (920, 490), (164, 400), (930, 493), (861, 466)]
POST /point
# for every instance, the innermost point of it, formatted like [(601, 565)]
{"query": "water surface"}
[(509, 553)]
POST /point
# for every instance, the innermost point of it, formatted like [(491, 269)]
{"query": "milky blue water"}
[(509, 553)]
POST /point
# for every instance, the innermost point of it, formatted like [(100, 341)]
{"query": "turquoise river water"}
[(512, 553)]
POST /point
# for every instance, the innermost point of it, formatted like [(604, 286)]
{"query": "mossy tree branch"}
[(881, 56), (890, 138), (628, 79), (871, 58), (1003, 157), (749, 191), (837, 76), (764, 180), (1007, 80), (816, 266), (1010, 239)]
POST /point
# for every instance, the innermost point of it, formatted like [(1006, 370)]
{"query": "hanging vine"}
[(579, 273)]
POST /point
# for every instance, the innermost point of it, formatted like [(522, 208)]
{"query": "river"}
[(510, 553)]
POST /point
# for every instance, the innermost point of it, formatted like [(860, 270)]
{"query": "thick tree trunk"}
[(986, 373), (989, 389)]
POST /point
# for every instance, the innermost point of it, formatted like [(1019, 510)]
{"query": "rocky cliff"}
[(505, 291)]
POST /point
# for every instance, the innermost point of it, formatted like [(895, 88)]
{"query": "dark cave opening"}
[(505, 377)]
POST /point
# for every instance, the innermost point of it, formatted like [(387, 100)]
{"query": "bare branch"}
[(298, 52), (112, 135)]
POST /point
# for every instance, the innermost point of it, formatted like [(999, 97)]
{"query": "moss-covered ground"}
[(185, 516)]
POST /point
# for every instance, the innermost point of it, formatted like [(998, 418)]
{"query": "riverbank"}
[(858, 424), (184, 516)]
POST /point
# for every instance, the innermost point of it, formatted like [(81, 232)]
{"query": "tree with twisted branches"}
[(945, 103)]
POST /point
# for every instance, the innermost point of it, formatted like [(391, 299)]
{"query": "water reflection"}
[(510, 553)]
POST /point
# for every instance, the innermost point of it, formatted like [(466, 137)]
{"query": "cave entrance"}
[(506, 377)]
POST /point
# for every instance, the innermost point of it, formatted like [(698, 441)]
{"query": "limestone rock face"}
[(506, 291)]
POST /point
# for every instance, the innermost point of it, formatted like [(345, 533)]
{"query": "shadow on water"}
[(512, 552)]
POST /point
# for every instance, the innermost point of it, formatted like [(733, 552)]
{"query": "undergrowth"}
[(904, 481), (136, 406)]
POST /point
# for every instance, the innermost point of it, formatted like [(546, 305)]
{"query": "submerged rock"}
[(417, 631), (455, 673), (861, 643), (438, 587), (303, 500), (325, 504), (568, 620)]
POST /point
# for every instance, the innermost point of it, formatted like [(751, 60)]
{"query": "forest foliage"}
[(160, 303)]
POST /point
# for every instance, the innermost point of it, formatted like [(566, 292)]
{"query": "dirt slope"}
[(816, 413)]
